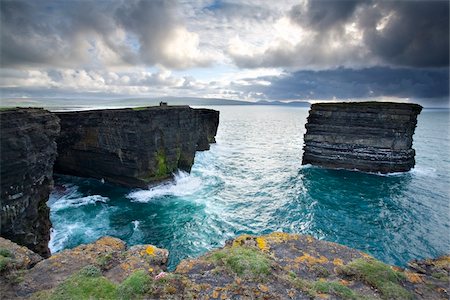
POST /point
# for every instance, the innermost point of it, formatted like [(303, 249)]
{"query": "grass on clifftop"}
[(378, 275), (243, 261), (136, 285), (5, 258), (86, 284)]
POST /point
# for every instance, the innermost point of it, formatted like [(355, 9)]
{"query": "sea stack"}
[(27, 152), (367, 136), (133, 147)]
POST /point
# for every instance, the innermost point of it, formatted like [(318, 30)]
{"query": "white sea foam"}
[(182, 185), (424, 171), (135, 224), (58, 239), (65, 202)]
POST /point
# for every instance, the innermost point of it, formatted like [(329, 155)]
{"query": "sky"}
[(244, 50)]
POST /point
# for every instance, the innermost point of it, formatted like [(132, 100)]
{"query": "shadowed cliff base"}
[(273, 266)]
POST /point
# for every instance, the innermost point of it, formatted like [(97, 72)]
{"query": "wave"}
[(65, 202), (182, 185), (135, 224)]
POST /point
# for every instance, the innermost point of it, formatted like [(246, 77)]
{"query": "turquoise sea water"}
[(252, 181)]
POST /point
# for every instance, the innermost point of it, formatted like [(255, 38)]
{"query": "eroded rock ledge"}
[(368, 136), (133, 147), (27, 153), (274, 266)]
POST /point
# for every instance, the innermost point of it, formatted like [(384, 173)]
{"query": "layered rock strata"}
[(133, 147), (368, 136), (273, 266), (27, 152)]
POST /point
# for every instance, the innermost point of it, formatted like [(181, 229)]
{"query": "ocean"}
[(252, 181)]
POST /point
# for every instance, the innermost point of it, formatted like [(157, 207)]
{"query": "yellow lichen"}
[(311, 260), (150, 250), (263, 288), (240, 240), (338, 262), (262, 244), (279, 237), (215, 294)]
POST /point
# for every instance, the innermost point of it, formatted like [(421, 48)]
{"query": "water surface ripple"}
[(252, 181)]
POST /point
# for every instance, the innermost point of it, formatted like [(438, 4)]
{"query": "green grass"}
[(86, 284), (243, 261), (140, 108), (104, 260), (5, 252), (136, 285), (312, 288), (5, 258), (378, 275), (161, 169)]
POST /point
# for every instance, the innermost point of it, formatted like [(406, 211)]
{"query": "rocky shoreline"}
[(273, 266), (131, 147)]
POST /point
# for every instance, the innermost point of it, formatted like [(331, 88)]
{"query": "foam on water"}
[(252, 182), (183, 184)]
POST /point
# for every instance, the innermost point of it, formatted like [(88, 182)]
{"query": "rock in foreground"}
[(27, 153), (133, 147), (368, 136), (274, 266)]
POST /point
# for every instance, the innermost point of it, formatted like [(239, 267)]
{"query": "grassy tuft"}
[(378, 275), (243, 261), (5, 252), (4, 262), (335, 288), (140, 108), (104, 260), (86, 284), (136, 285)]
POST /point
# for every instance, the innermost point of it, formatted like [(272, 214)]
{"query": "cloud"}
[(97, 34), (356, 34), (344, 83)]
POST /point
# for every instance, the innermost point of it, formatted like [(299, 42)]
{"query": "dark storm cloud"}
[(345, 83), (90, 33), (321, 15), (416, 33), (396, 33)]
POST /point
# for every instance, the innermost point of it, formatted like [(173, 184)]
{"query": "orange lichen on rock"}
[(311, 260), (263, 288), (413, 277)]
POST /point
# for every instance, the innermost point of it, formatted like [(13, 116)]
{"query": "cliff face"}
[(27, 153), (273, 266), (368, 136), (133, 147)]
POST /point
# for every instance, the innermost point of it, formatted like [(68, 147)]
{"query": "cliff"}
[(133, 147), (274, 266), (368, 136), (27, 153)]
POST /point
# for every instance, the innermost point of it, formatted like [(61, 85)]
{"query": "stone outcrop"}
[(273, 266), (133, 147), (27, 153), (367, 136)]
